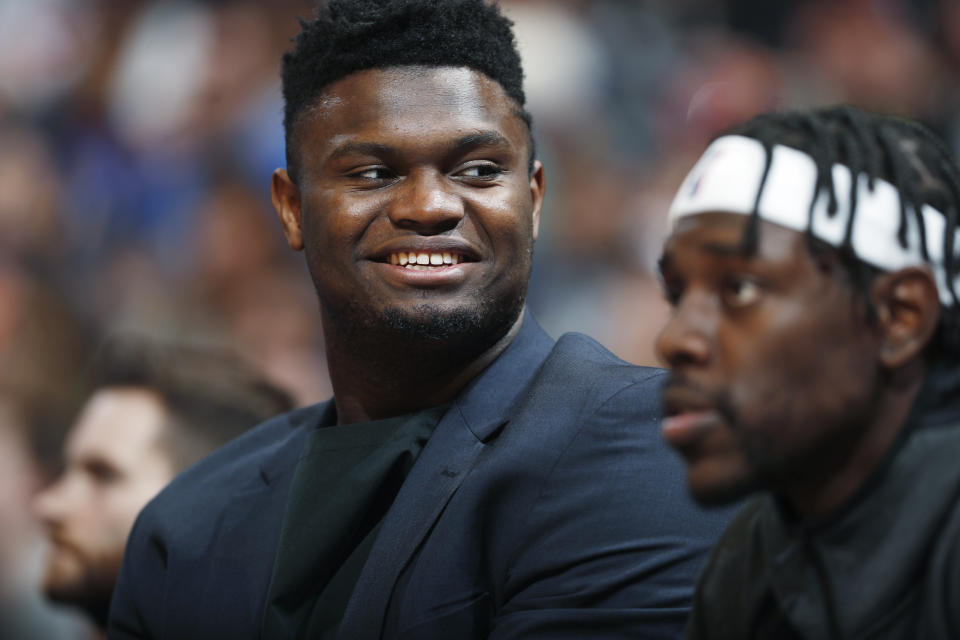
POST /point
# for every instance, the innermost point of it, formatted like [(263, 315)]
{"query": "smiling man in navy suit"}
[(470, 478)]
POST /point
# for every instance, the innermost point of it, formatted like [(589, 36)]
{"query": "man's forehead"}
[(721, 234), (118, 417), (414, 88)]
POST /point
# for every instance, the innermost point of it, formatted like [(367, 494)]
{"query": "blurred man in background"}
[(156, 409), (42, 347), (814, 347), (24, 614)]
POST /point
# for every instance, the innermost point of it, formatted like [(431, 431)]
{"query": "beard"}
[(459, 332), (87, 585)]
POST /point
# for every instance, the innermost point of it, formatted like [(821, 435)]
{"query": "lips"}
[(684, 398), (690, 415)]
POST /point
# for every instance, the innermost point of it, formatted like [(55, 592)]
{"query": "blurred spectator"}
[(156, 409), (138, 137), (30, 193), (23, 614), (42, 350)]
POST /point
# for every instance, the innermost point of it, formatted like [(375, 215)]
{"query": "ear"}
[(908, 311), (285, 196), (536, 193)]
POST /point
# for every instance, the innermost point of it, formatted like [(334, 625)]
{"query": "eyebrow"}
[(485, 138), (725, 249), (721, 249), (360, 148)]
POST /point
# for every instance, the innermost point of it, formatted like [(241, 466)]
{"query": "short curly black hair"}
[(901, 151), (347, 36)]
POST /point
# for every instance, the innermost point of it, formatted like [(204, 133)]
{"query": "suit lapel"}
[(474, 418), (248, 533)]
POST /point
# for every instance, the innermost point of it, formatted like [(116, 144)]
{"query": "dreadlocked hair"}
[(902, 152), (347, 36)]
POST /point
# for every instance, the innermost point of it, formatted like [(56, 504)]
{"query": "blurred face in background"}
[(773, 365), (116, 462), (19, 480)]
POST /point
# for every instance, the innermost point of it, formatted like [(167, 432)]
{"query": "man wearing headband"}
[(814, 342)]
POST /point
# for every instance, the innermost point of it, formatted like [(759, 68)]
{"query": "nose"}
[(426, 204), (48, 504), (687, 338)]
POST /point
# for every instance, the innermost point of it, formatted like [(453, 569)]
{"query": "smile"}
[(420, 261)]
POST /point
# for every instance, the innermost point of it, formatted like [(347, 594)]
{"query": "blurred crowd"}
[(137, 138)]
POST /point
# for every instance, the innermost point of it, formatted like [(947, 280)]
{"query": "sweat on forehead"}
[(736, 175)]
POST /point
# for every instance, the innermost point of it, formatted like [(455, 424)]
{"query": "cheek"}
[(509, 225), (801, 380), (124, 502), (723, 472), (330, 218)]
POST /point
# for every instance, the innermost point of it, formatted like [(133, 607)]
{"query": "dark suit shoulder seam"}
[(561, 454)]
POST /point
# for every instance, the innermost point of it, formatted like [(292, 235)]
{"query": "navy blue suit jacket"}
[(545, 505)]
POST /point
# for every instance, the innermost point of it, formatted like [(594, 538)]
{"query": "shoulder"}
[(606, 513), (583, 401), (943, 582), (590, 372), (270, 448), (576, 347), (207, 539), (942, 590)]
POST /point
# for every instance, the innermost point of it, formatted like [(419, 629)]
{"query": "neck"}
[(375, 380), (820, 492)]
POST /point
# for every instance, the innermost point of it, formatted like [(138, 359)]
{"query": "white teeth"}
[(423, 261)]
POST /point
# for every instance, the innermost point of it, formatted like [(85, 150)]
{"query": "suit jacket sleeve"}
[(142, 557), (612, 546)]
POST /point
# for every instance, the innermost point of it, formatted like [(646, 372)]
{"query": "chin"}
[(89, 591), (62, 579), (63, 591), (437, 323), (719, 492)]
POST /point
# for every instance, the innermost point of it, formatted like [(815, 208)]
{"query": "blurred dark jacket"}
[(885, 565)]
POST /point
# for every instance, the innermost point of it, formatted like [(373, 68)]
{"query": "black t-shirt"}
[(345, 481)]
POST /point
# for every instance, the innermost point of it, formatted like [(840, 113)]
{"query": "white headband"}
[(727, 178)]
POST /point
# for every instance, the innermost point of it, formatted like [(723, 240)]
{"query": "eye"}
[(377, 174), (481, 171), (672, 291), (741, 291), (102, 472)]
